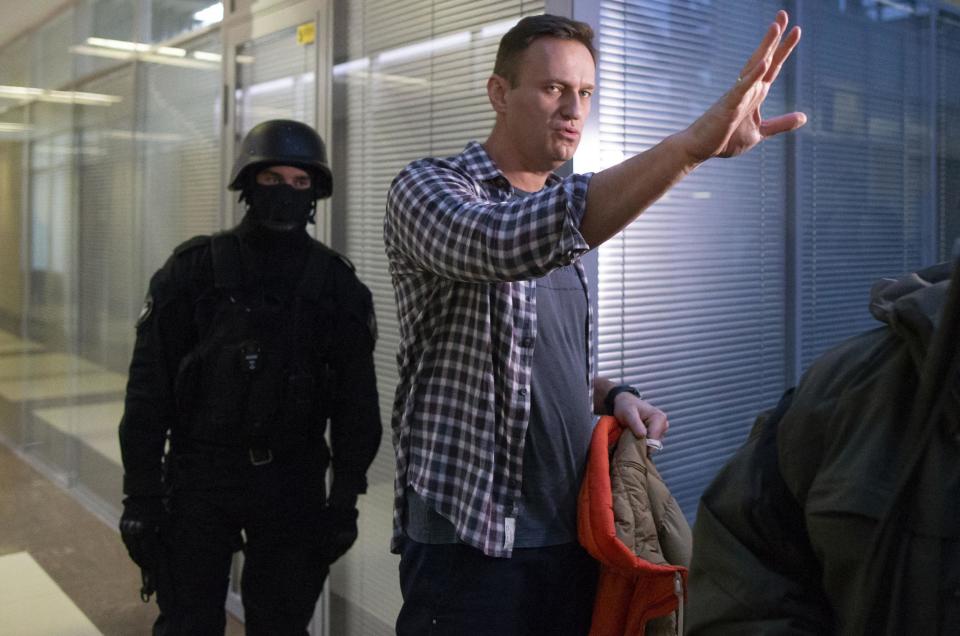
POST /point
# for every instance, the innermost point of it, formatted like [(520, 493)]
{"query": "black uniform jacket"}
[(167, 332)]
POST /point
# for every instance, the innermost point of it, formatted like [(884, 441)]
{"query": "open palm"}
[(734, 125)]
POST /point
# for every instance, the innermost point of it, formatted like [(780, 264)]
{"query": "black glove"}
[(140, 529), (339, 531)]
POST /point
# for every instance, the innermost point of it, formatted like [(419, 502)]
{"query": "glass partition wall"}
[(110, 153)]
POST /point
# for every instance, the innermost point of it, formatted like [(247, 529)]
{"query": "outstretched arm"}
[(731, 127)]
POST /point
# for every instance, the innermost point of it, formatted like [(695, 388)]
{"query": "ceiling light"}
[(9, 127), (30, 94), (210, 15), (120, 45), (171, 51)]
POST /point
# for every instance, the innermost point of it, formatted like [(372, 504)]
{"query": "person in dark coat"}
[(839, 515)]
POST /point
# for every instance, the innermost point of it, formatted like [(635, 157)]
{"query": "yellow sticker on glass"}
[(306, 33)]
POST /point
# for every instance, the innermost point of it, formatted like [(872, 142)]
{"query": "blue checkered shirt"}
[(464, 254)]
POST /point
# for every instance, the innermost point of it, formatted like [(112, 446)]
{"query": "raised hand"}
[(734, 125)]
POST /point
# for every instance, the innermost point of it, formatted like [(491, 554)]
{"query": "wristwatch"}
[(614, 392)]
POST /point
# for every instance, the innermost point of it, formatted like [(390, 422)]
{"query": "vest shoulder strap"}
[(227, 265)]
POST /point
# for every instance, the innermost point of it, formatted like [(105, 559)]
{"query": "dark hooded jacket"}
[(841, 513)]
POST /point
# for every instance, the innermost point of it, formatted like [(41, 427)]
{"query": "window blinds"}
[(863, 165), (717, 297), (279, 82), (691, 295), (948, 131)]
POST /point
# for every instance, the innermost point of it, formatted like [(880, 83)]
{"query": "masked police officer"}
[(249, 342)]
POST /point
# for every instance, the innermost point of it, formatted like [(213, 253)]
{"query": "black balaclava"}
[(280, 208), (273, 237)]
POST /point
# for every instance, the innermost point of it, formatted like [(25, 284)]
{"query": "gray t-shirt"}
[(561, 419), (558, 434)]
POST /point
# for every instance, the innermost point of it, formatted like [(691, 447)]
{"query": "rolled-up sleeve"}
[(440, 220)]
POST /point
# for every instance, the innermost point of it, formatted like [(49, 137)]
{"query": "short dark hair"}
[(524, 32)]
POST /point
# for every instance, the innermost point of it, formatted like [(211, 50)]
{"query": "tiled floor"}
[(31, 603), (98, 423), (10, 343), (63, 570), (79, 555)]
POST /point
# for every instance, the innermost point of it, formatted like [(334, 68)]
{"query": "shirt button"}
[(512, 482), (522, 392), (527, 342)]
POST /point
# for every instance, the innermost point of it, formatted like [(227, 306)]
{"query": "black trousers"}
[(278, 513), (456, 590)]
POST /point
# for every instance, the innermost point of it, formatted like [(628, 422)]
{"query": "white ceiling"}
[(21, 15)]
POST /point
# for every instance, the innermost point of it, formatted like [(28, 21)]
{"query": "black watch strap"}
[(614, 392)]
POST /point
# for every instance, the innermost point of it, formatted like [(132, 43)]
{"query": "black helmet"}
[(283, 142)]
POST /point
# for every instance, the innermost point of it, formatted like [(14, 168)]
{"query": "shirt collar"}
[(483, 168)]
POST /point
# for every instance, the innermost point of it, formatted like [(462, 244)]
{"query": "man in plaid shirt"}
[(493, 413)]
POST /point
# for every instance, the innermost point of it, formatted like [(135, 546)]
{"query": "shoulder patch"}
[(145, 311), (346, 261)]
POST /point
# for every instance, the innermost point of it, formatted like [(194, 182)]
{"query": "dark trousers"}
[(456, 590), (283, 573)]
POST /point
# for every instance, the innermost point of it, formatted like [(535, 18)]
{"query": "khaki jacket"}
[(629, 521)]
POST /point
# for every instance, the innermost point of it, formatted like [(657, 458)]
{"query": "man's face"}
[(275, 175), (545, 112)]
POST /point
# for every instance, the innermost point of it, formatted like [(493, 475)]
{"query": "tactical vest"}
[(260, 376)]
